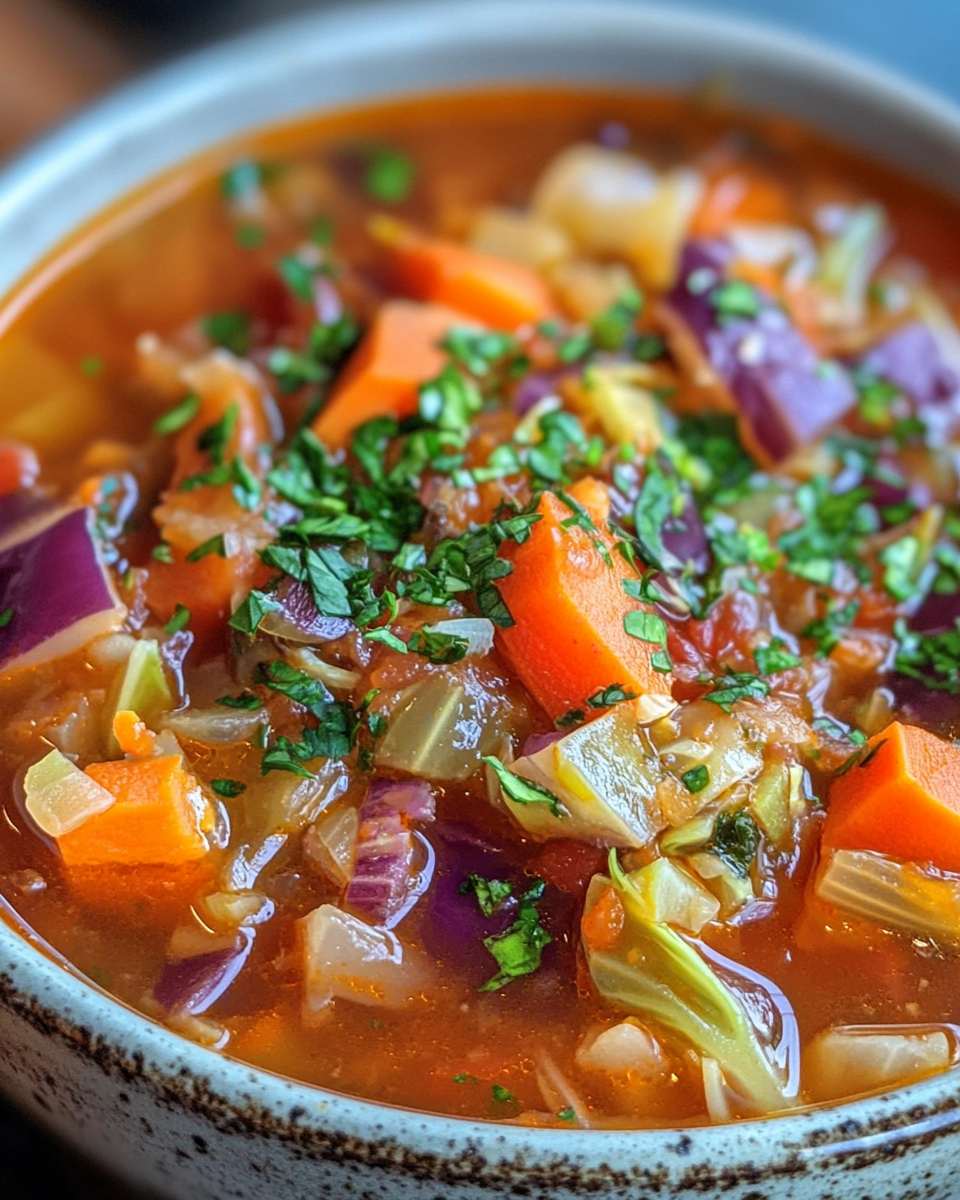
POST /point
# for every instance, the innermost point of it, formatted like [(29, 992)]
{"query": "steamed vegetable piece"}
[(399, 352), (500, 293), (901, 798), (345, 959), (646, 968), (571, 614), (159, 816), (768, 373), (55, 587), (852, 1059), (195, 983), (672, 896), (911, 360), (141, 685), (894, 894), (60, 797), (611, 202)]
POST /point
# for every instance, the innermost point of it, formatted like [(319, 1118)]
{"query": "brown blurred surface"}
[(51, 60)]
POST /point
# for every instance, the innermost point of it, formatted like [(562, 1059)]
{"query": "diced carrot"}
[(742, 195), (401, 350), (208, 587), (902, 799), (496, 291), (19, 466), (156, 818), (602, 924), (568, 605), (133, 736)]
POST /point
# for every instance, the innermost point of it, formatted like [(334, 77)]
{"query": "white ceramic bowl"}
[(193, 1124)]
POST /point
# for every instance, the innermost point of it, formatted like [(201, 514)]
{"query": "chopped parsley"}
[(228, 788), (241, 180), (91, 365), (246, 700), (829, 629), (162, 553), (438, 647), (652, 628), (931, 658), (727, 689), (518, 949), (465, 1077), (522, 791), (231, 330), (696, 779), (775, 657), (903, 561), (248, 615), (215, 545), (389, 176), (491, 894), (503, 1095), (575, 716), (614, 693), (6, 617), (567, 1114), (735, 841), (298, 276), (735, 298), (833, 527), (179, 620), (178, 416)]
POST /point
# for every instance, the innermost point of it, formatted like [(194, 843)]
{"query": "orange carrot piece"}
[(133, 736), (19, 466), (494, 290), (568, 604), (401, 350), (156, 818), (901, 799), (602, 924), (743, 196)]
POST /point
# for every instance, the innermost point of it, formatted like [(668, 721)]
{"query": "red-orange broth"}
[(843, 253)]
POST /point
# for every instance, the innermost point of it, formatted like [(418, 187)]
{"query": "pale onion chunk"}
[(60, 797), (852, 1059)]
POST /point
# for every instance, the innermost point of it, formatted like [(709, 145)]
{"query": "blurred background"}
[(57, 54)]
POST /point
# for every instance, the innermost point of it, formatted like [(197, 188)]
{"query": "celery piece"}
[(653, 972)]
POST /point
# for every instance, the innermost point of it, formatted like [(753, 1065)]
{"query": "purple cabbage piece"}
[(533, 388), (56, 586), (784, 392), (614, 135), (192, 985), (685, 537), (382, 875), (16, 510), (910, 358)]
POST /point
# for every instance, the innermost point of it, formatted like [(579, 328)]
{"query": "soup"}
[(479, 609)]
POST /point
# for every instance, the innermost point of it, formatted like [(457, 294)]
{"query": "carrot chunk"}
[(401, 350), (902, 799), (133, 736), (494, 290), (19, 466), (602, 924), (566, 597), (743, 196), (156, 818)]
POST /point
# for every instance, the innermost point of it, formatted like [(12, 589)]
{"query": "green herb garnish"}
[(522, 791)]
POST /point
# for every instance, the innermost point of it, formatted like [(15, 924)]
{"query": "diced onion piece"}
[(331, 845), (770, 802), (331, 676), (611, 202), (621, 1049), (215, 726), (60, 797), (347, 959), (731, 890), (231, 910), (56, 586), (620, 399), (852, 1059), (476, 631), (715, 1092), (667, 892), (521, 237), (891, 893)]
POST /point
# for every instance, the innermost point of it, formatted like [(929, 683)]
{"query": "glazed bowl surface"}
[(192, 1124)]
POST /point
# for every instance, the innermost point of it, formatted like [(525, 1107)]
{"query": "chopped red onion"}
[(786, 394), (540, 741), (192, 985), (533, 388), (911, 360), (54, 583), (297, 618), (381, 884)]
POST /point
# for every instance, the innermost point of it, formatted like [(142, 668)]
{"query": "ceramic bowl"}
[(192, 1124)]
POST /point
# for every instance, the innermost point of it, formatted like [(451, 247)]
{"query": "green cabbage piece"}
[(655, 973)]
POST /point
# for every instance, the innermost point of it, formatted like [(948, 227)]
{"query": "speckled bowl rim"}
[(98, 156)]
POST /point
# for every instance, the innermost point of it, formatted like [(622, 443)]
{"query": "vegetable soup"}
[(480, 609)]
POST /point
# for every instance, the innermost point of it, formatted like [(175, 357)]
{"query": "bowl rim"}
[(31, 975)]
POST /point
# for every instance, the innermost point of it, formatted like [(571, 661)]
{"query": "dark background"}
[(56, 54)]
